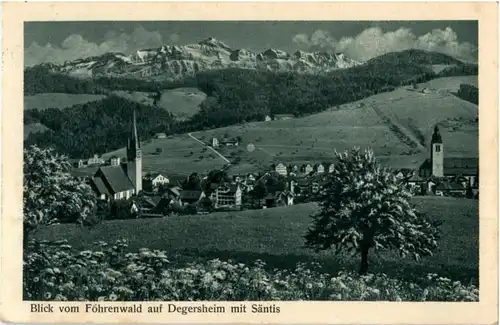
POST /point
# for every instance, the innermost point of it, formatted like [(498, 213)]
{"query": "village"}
[(153, 194)]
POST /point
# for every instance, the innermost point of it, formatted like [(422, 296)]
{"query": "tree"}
[(364, 206), (259, 192), (50, 193), (192, 182)]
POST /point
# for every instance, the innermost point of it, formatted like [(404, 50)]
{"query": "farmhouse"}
[(280, 169), (226, 196), (121, 181), (96, 160), (160, 135), (449, 168), (229, 143), (267, 118), (154, 180)]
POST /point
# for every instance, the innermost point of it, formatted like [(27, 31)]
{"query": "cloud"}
[(373, 42), (75, 46)]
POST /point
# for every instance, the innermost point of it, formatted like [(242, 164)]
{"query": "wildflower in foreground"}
[(138, 279)]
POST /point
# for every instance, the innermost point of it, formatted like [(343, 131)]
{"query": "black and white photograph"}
[(251, 161)]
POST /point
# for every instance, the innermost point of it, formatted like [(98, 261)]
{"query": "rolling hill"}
[(397, 125)]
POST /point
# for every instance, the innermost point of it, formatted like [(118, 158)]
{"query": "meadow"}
[(397, 125), (181, 102), (180, 156), (58, 100), (275, 236)]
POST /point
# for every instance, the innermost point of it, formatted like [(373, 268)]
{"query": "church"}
[(121, 180), (449, 169)]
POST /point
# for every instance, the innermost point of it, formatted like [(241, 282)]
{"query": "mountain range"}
[(171, 62)]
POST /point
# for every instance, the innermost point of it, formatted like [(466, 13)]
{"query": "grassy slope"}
[(176, 157), (181, 102), (58, 100), (275, 236), (397, 125)]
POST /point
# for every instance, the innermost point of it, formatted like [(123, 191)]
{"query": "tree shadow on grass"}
[(405, 269)]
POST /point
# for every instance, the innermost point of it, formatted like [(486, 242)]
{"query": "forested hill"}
[(234, 96), (97, 127)]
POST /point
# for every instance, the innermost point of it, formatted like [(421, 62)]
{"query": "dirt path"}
[(209, 147)]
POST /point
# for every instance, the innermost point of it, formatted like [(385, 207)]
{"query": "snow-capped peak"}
[(211, 41), (177, 61)]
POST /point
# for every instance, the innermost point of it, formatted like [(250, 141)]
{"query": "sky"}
[(360, 40)]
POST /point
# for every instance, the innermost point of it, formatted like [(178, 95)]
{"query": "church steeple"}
[(437, 153), (133, 143), (134, 157), (436, 136)]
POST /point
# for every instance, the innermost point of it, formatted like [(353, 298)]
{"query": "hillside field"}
[(58, 100), (181, 102), (397, 125), (275, 236), (180, 155)]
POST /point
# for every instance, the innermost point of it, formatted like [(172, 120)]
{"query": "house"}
[(281, 169), (77, 163), (283, 117), (306, 169), (155, 180), (160, 135), (331, 167), (96, 160), (114, 161), (215, 143), (267, 118), (191, 196), (147, 204), (229, 143), (123, 180), (285, 198), (226, 196), (293, 169), (450, 167), (319, 168), (172, 192), (450, 189)]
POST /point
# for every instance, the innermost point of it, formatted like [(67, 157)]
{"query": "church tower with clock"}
[(134, 157)]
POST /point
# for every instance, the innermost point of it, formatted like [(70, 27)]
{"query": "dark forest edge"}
[(234, 96)]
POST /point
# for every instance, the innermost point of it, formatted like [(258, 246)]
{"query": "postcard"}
[(282, 163)]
